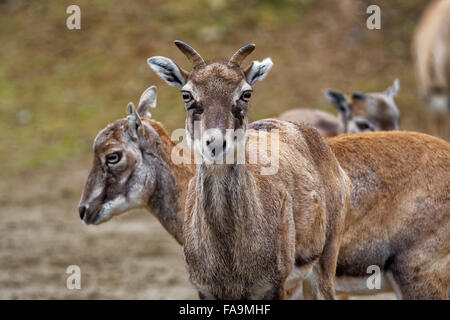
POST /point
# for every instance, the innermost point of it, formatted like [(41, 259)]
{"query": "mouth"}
[(96, 217)]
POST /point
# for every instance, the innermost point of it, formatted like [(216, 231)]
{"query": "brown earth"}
[(130, 257)]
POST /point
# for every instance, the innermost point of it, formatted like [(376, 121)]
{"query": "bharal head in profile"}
[(133, 168), (216, 97), (114, 183)]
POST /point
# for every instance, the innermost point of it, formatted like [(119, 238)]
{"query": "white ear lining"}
[(167, 70), (259, 70), (396, 86), (148, 98), (130, 108), (394, 89)]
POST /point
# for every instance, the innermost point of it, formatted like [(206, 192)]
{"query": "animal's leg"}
[(422, 274), (420, 287), (324, 271)]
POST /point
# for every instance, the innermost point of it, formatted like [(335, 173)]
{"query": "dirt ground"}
[(129, 257)]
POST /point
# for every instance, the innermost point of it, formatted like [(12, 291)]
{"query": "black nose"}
[(82, 211), (210, 140)]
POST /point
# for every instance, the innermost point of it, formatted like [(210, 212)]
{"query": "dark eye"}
[(186, 96), (113, 158), (246, 95), (364, 126)]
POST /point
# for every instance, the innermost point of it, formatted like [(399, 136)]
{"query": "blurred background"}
[(59, 87)]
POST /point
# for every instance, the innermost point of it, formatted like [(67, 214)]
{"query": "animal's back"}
[(327, 124)]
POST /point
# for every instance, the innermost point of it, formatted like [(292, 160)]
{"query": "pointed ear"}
[(134, 121), (147, 100), (338, 100), (168, 71), (258, 70), (394, 89)]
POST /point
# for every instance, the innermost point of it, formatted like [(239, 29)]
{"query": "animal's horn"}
[(240, 55), (190, 53)]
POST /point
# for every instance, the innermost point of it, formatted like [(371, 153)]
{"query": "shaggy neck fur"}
[(169, 194), (226, 194)]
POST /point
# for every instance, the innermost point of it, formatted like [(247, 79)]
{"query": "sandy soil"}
[(129, 257)]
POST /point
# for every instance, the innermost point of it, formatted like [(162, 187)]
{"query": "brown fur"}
[(244, 231), (327, 124), (424, 262), (146, 166), (399, 216)]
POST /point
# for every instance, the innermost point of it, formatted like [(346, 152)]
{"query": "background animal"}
[(367, 112), (362, 113), (326, 123), (431, 52)]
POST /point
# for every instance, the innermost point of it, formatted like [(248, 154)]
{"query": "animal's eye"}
[(113, 158), (246, 95), (364, 126), (186, 96)]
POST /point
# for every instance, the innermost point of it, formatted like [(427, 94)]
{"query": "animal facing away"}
[(133, 168), (246, 233), (431, 54)]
